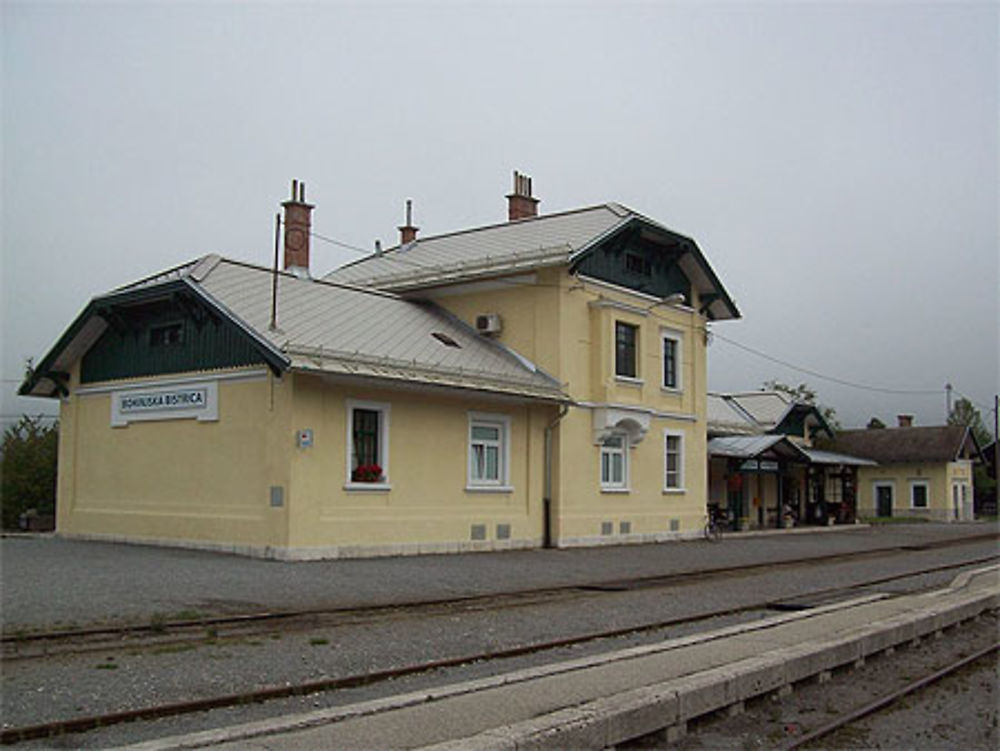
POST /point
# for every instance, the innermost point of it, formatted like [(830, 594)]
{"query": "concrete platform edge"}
[(611, 720)]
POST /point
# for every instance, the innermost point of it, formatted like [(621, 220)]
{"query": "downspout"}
[(547, 499)]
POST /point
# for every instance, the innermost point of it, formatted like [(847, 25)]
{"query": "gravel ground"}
[(957, 713), (117, 679), (50, 582)]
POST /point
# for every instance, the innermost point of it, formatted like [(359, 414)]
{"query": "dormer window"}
[(636, 264), (169, 335)]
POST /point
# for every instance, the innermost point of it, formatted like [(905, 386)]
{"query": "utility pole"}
[(947, 391)]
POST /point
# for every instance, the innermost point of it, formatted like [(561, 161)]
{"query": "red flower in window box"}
[(367, 473)]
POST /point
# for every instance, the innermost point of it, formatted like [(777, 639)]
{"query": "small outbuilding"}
[(921, 471)]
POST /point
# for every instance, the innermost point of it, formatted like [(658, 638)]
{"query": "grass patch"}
[(158, 623), (318, 641)]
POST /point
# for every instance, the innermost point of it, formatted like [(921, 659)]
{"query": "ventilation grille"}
[(277, 496)]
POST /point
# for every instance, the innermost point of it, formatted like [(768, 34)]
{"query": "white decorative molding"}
[(683, 416), (242, 375), (610, 420), (604, 302)]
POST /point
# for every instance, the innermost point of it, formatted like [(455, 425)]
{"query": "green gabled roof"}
[(49, 377)]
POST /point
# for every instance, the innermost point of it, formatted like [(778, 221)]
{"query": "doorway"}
[(883, 499)]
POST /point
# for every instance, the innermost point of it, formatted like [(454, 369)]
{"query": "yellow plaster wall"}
[(566, 325), (428, 506), (939, 477), (176, 480)]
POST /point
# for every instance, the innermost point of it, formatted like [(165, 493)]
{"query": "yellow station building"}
[(922, 471), (540, 381)]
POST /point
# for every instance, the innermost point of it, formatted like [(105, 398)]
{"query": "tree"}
[(28, 469), (807, 395), (965, 413), (874, 424)]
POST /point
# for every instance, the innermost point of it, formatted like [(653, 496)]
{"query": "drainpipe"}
[(547, 499)]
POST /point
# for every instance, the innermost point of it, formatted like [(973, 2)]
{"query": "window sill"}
[(489, 488), (629, 381), (674, 491), (368, 486), (616, 490), (672, 390)]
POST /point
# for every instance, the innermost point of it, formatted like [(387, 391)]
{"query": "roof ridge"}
[(316, 280), (613, 207)]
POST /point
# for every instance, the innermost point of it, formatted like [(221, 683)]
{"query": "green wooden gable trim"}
[(176, 334), (631, 259)]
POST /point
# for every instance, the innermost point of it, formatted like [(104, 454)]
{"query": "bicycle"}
[(713, 530)]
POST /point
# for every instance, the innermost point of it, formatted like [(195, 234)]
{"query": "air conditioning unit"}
[(488, 323)]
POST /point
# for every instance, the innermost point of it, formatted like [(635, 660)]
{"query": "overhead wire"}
[(714, 334), (823, 376)]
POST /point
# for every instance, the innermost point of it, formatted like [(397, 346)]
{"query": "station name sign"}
[(198, 400), (182, 399)]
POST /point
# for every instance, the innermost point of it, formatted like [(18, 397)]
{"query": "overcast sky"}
[(837, 163)]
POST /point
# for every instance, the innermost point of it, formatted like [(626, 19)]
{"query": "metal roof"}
[(534, 242), (334, 328), (766, 408), (724, 417), (525, 244), (751, 446), (830, 457)]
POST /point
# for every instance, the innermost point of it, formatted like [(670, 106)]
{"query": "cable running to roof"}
[(751, 350), (832, 379)]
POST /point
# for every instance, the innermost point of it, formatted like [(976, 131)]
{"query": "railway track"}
[(173, 709), (161, 633), (889, 699)]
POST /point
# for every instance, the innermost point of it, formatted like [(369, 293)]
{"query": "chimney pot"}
[(905, 421), (298, 225), (521, 204), (408, 233)]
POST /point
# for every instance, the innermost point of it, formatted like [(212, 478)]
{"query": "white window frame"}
[(384, 410), (679, 487), (502, 483), (925, 484), (609, 485), (678, 339)]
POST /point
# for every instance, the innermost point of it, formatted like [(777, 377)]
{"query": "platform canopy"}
[(760, 447)]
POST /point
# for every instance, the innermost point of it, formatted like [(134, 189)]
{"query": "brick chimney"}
[(408, 233), (905, 421), (298, 222), (520, 203)]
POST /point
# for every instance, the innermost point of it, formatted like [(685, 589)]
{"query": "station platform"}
[(606, 699)]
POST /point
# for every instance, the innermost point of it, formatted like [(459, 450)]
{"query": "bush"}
[(28, 469)]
